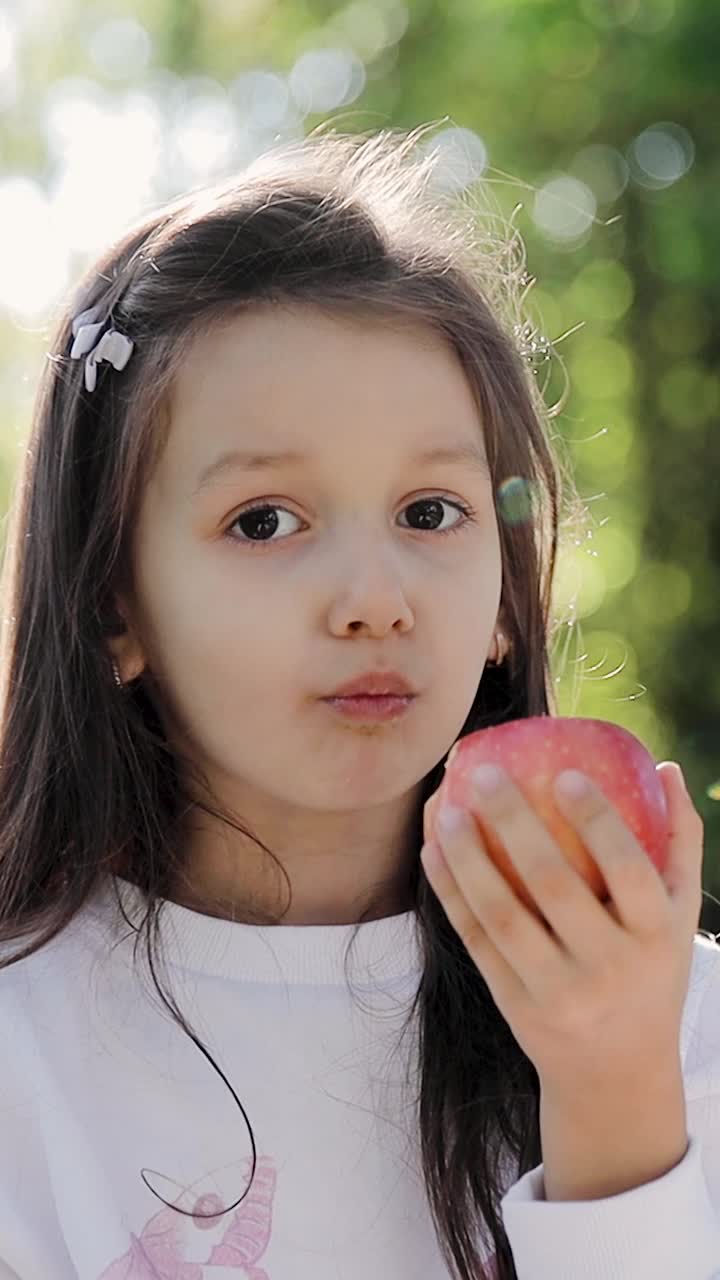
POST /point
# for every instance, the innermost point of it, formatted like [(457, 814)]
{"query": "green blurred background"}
[(597, 117)]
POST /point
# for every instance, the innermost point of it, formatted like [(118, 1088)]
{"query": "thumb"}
[(686, 833)]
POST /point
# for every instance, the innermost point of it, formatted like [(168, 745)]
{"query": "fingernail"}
[(571, 783), (450, 819), (681, 775), (488, 778)]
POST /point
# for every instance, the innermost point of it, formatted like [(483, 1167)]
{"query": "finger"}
[(686, 835), (581, 923), (642, 904), (492, 921), (503, 982)]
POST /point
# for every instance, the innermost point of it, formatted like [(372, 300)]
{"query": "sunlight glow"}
[(33, 252)]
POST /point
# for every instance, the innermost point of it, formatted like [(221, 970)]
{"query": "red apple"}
[(533, 751)]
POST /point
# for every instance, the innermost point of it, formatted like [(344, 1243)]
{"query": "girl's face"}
[(246, 621)]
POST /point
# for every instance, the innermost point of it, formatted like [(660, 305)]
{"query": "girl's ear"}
[(124, 643), (129, 659)]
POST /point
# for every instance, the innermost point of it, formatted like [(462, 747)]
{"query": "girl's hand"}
[(598, 997)]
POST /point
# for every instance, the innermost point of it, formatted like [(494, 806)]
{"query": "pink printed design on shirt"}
[(160, 1251)]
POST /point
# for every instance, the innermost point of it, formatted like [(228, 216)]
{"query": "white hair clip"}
[(112, 346)]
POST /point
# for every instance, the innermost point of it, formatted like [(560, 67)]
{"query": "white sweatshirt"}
[(98, 1082)]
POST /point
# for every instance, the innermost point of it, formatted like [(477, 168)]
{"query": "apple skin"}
[(533, 751)]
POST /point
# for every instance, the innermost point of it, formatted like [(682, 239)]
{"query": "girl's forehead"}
[(305, 385), (282, 343)]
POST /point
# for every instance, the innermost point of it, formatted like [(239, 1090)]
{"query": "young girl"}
[(242, 1033)]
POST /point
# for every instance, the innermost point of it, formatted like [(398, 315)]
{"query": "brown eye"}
[(258, 524), (429, 514)]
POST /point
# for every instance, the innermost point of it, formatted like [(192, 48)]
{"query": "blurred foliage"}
[(611, 102)]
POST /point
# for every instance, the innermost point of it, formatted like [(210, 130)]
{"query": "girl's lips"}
[(374, 684), (371, 707)]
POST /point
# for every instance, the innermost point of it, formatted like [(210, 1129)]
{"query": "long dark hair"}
[(89, 783)]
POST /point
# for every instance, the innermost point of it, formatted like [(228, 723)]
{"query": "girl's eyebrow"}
[(469, 454)]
